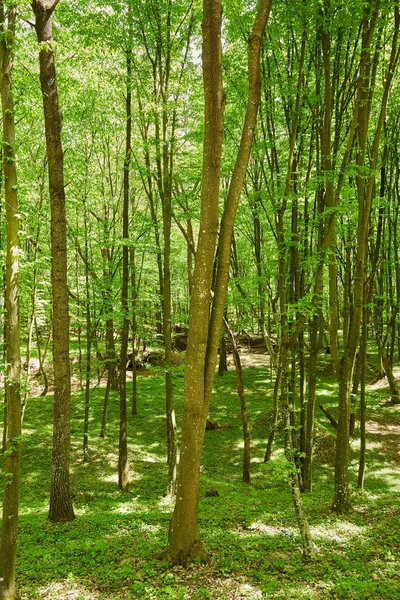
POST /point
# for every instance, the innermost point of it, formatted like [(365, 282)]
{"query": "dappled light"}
[(200, 300), (119, 533)]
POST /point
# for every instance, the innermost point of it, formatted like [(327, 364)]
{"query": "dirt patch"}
[(250, 360)]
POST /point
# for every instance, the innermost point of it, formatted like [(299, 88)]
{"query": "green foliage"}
[(249, 530)]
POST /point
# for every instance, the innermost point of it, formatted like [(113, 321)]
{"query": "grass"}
[(108, 551)]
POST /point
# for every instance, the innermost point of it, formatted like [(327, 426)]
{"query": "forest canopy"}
[(182, 180)]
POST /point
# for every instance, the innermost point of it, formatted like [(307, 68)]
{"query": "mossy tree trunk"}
[(184, 544), (9, 530)]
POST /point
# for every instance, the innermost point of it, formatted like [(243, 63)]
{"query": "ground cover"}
[(108, 552)]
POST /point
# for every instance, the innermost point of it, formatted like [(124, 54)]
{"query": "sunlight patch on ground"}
[(69, 589), (339, 532), (389, 477), (258, 527), (147, 528), (383, 430), (24, 510), (254, 444), (145, 457), (245, 590), (166, 503), (257, 459), (325, 392), (126, 508)]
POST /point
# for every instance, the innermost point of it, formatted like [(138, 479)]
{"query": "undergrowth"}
[(108, 551)]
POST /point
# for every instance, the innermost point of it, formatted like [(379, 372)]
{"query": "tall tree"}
[(184, 544), (365, 183), (9, 530), (123, 464), (61, 508)]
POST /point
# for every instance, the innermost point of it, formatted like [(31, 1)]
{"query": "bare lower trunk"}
[(363, 399), (123, 464), (60, 497), (274, 426), (243, 407)]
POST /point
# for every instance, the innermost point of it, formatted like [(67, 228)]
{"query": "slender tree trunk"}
[(274, 426), (363, 398), (42, 358), (365, 190), (166, 197), (105, 407), (134, 330), (9, 530), (302, 522), (235, 189), (316, 333), (88, 345), (243, 406), (60, 497), (123, 465), (222, 364)]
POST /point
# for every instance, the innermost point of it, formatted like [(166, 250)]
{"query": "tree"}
[(184, 544), (365, 183), (61, 508), (9, 530), (123, 464)]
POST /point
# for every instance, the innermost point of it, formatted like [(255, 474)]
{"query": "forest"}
[(200, 299)]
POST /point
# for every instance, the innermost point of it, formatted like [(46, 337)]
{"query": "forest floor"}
[(108, 551)]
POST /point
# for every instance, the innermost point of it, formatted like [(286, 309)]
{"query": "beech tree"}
[(9, 530), (184, 544), (365, 181), (61, 508)]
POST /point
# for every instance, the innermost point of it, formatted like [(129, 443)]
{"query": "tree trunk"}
[(363, 398), (316, 331), (60, 497), (222, 364), (123, 465), (105, 407), (243, 407), (365, 191), (274, 426), (184, 544), (88, 343), (134, 329), (9, 530)]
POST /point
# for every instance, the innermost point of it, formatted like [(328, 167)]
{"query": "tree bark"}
[(61, 508), (184, 544), (243, 407), (123, 464), (9, 530)]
